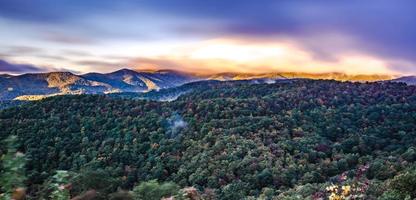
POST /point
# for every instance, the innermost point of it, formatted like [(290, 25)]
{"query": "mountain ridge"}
[(409, 80), (34, 86)]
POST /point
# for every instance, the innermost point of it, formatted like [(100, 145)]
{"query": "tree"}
[(59, 186), (12, 174), (265, 177), (152, 190), (404, 184), (98, 180)]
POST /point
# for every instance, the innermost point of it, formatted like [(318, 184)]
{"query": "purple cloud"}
[(18, 68), (382, 28)]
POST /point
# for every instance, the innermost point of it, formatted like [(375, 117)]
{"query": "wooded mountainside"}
[(301, 139)]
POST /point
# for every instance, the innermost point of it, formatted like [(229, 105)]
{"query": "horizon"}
[(354, 38), (207, 74)]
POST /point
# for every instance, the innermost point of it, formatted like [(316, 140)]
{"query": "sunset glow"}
[(227, 55), (154, 36)]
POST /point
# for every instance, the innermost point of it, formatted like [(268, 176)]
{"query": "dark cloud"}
[(18, 68), (384, 28), (50, 11)]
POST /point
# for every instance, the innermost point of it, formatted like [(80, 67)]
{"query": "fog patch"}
[(175, 124), (270, 81), (263, 81), (173, 97)]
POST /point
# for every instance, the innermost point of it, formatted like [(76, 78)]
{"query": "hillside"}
[(409, 80), (231, 140), (41, 85), (291, 75), (126, 80)]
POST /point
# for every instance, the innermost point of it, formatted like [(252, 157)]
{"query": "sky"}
[(246, 36)]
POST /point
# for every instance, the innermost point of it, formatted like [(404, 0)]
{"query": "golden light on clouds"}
[(287, 36), (238, 55)]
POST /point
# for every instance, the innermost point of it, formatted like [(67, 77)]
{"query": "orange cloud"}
[(241, 55), (253, 56)]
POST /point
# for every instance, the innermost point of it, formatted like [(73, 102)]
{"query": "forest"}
[(290, 140)]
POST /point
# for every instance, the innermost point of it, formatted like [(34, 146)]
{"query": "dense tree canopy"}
[(283, 140)]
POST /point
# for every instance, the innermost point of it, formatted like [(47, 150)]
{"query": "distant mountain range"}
[(41, 85), (37, 86), (290, 75), (409, 80)]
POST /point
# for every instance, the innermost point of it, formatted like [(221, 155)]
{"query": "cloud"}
[(18, 68), (383, 28), (19, 49), (77, 53), (154, 63), (22, 51), (139, 63), (186, 64), (257, 56), (21, 68), (98, 63), (243, 55), (326, 29), (64, 38), (48, 11)]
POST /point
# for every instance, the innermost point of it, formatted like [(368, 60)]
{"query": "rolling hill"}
[(409, 80), (37, 86), (41, 85)]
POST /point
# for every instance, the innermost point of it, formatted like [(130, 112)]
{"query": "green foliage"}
[(410, 154), (12, 171), (239, 138), (265, 177), (267, 193), (99, 180), (59, 186), (403, 185), (152, 190), (120, 195), (4, 104), (394, 195)]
